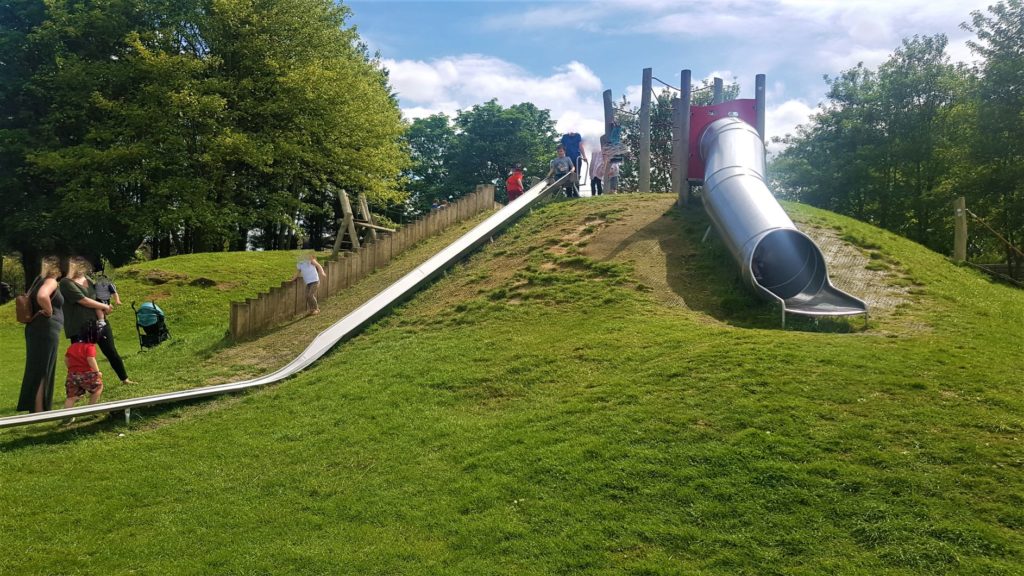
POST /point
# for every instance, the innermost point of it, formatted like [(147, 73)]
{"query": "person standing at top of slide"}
[(573, 144), (561, 166)]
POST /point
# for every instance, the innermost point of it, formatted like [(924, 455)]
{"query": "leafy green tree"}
[(431, 141), (881, 147), (308, 109), (26, 202), (998, 149), (918, 88), (187, 123), (491, 139)]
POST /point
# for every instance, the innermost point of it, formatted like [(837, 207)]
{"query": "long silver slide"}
[(781, 264), (341, 330)]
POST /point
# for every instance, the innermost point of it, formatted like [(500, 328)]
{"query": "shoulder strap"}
[(32, 291)]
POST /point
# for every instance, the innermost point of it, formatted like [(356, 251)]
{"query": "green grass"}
[(194, 291), (552, 417)]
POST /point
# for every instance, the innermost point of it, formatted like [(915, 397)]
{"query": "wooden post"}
[(367, 256), (273, 298), (609, 113), (677, 148), (489, 193), (345, 271), (684, 130), (717, 94), (759, 99), (960, 229), (364, 207), (609, 119), (348, 224), (644, 171), (239, 319)]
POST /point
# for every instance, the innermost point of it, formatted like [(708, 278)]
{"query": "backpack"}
[(23, 305), (23, 309)]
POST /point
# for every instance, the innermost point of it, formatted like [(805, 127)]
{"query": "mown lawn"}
[(537, 411), (194, 291)]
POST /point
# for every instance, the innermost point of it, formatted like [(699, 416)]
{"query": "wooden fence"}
[(287, 301)]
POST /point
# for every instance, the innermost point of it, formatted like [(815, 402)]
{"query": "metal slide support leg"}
[(706, 234), (127, 415)]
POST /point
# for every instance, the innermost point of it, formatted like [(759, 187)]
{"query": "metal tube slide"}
[(778, 261), (343, 329)]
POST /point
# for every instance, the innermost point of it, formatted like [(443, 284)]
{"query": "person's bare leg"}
[(95, 396), (71, 401), (39, 397)]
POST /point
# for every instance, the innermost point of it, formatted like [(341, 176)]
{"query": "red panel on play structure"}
[(701, 116)]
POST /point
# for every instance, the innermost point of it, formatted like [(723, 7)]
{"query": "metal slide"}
[(343, 329), (781, 263)]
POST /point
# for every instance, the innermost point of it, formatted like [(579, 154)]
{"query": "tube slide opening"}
[(787, 263)]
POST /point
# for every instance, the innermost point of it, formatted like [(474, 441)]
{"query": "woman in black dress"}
[(42, 336)]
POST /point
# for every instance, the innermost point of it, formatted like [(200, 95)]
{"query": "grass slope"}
[(549, 408), (194, 291)]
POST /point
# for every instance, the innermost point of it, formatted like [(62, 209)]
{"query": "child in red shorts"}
[(84, 374)]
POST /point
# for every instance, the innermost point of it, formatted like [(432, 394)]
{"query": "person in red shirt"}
[(514, 183), (84, 376)]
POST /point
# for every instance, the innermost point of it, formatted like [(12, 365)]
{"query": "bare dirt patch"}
[(848, 267), (643, 236), (662, 245)]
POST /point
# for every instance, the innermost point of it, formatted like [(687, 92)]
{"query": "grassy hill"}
[(593, 393)]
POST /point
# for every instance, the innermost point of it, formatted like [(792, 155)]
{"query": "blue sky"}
[(445, 56)]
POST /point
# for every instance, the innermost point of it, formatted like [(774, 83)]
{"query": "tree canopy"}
[(480, 145), (188, 124), (896, 145)]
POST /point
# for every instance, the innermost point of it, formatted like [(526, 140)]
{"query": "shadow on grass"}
[(704, 275), (145, 417)]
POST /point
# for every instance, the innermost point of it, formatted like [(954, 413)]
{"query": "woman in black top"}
[(42, 337), (81, 305)]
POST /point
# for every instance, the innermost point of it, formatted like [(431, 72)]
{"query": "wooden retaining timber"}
[(288, 301)]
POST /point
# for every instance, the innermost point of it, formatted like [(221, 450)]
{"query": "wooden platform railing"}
[(288, 301)]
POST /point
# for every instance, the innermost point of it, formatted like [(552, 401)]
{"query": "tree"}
[(430, 141), (998, 150), (187, 123), (879, 148), (25, 202), (491, 139)]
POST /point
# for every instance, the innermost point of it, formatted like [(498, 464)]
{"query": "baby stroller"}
[(149, 323)]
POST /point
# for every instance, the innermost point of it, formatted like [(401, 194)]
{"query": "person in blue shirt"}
[(573, 144)]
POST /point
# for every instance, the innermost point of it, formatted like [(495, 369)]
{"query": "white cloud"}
[(633, 94), (783, 119), (794, 42), (571, 92), (959, 52)]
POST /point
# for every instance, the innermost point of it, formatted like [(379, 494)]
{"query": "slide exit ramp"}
[(782, 264), (338, 332)]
